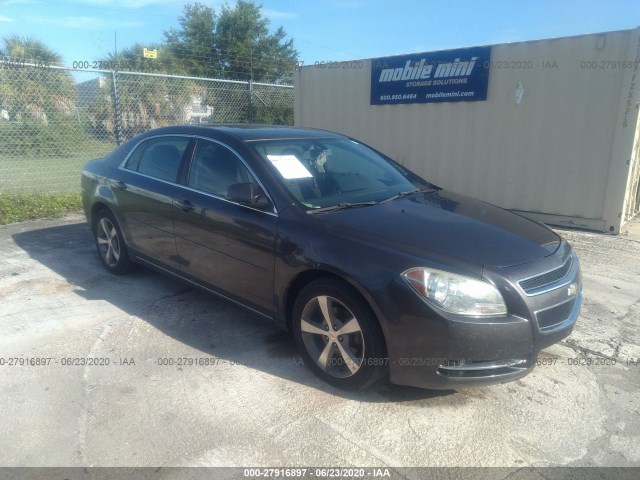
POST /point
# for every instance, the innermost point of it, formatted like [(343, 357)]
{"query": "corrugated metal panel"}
[(562, 151)]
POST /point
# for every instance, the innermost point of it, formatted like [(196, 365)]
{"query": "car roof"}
[(246, 132)]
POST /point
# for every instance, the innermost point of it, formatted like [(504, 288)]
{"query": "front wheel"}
[(338, 335), (110, 244)]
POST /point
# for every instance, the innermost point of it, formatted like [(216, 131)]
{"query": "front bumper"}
[(429, 348)]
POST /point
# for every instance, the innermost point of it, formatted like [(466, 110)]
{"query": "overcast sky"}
[(323, 30)]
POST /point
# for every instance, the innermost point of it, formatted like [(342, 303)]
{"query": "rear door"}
[(225, 245), (145, 196)]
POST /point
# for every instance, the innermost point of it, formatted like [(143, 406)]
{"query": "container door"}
[(632, 195)]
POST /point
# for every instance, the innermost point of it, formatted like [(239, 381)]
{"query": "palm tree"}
[(39, 101), (29, 50), (34, 93)]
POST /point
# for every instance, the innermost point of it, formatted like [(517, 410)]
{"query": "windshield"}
[(325, 173)]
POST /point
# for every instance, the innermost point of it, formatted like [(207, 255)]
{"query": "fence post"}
[(250, 115), (116, 109)]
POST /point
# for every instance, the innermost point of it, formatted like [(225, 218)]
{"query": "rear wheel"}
[(338, 335), (110, 244)]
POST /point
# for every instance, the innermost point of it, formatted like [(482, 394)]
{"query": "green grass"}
[(49, 174), (17, 207), (32, 187)]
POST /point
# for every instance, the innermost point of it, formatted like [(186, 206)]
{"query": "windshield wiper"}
[(404, 194), (346, 205), (342, 206)]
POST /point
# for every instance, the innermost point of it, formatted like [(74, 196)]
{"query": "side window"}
[(161, 157), (215, 168), (134, 158)]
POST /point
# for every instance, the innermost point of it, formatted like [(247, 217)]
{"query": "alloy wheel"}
[(108, 242), (332, 336)]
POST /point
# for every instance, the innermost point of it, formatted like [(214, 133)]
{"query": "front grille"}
[(553, 316), (538, 282)]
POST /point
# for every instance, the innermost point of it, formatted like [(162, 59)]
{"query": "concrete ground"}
[(256, 404)]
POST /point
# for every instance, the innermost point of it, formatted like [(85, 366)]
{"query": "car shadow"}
[(189, 315)]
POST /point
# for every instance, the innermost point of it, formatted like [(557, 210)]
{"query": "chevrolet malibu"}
[(377, 272)]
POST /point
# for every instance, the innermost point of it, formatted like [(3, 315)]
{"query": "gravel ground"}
[(257, 404)]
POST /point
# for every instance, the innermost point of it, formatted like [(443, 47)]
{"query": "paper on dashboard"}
[(289, 166)]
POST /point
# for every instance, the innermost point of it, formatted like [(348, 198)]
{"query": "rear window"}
[(159, 157)]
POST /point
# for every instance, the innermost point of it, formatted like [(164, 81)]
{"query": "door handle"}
[(185, 205)]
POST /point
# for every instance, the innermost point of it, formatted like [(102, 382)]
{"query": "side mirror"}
[(248, 194)]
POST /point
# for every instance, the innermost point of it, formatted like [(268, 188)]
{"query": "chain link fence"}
[(54, 119)]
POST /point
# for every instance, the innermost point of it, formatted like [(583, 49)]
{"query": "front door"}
[(227, 246)]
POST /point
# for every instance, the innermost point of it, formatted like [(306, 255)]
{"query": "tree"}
[(145, 101), (34, 92), (29, 50), (246, 49), (38, 101), (235, 45), (194, 42), (132, 59)]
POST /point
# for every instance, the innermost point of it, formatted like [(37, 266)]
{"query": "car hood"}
[(441, 225)]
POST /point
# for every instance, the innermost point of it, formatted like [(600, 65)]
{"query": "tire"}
[(350, 353), (110, 244)]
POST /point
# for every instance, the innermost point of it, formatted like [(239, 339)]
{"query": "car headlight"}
[(456, 293)]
